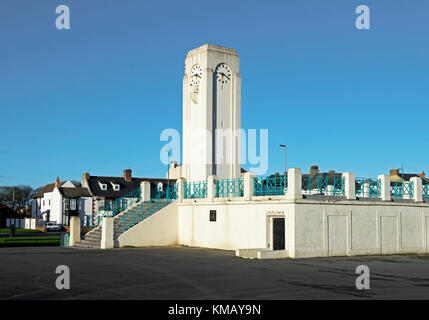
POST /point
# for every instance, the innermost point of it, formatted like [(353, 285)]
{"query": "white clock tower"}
[(211, 113)]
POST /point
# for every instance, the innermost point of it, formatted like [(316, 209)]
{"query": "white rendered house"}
[(56, 202)]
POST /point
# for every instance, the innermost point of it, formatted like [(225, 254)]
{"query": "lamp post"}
[(284, 175)]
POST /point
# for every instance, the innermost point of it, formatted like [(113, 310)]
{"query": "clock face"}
[(223, 74), (196, 74)]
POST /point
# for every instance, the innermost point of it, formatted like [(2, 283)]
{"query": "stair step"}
[(89, 241), (92, 237)]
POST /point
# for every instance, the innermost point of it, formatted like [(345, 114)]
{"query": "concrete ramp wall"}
[(160, 229)]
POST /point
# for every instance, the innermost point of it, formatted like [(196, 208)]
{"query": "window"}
[(72, 204), (103, 186), (43, 201), (160, 186), (212, 215), (116, 187)]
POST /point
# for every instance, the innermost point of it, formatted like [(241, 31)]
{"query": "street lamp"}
[(284, 176)]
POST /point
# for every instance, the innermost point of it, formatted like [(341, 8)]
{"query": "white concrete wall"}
[(313, 229), (160, 229), (239, 224), (360, 229)]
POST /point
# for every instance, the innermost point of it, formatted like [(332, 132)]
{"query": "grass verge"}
[(7, 230)]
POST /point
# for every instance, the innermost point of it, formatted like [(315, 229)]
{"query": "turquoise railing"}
[(368, 188), (124, 202), (425, 191), (144, 210), (331, 185), (226, 188), (399, 190), (66, 239), (195, 190), (112, 209), (169, 193), (269, 186)]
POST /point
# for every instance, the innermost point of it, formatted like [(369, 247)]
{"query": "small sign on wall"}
[(212, 215), (275, 213)]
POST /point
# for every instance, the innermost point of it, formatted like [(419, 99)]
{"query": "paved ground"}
[(190, 273)]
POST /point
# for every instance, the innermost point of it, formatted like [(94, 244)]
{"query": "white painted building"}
[(56, 202)]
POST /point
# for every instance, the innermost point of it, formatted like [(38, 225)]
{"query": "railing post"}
[(145, 190), (248, 185), (384, 187), (366, 189), (181, 189), (107, 233), (294, 188), (329, 190), (418, 189), (74, 231), (211, 188), (349, 185)]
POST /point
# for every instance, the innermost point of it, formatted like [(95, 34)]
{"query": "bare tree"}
[(16, 196)]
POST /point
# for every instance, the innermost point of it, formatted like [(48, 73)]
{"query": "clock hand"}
[(223, 74)]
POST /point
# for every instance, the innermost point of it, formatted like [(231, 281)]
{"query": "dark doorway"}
[(278, 233)]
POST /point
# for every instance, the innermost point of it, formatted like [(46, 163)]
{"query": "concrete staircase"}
[(122, 222), (125, 222), (91, 240)]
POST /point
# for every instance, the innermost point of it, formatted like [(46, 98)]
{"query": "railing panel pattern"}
[(425, 191), (195, 190), (170, 193), (227, 188), (368, 188), (399, 190), (269, 186), (330, 185)]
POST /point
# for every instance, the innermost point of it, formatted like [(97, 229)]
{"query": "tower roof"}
[(212, 47)]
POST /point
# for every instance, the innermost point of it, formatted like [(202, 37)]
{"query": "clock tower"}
[(211, 113)]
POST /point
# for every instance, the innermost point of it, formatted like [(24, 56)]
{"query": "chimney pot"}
[(127, 175), (57, 182), (394, 172)]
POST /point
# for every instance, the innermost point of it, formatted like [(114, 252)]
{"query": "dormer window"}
[(103, 186), (160, 186), (116, 187)]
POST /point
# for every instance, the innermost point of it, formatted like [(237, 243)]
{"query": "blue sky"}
[(96, 98)]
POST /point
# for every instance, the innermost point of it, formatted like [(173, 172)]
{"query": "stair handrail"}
[(144, 210), (119, 205)]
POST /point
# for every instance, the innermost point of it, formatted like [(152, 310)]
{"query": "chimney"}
[(422, 175), (314, 170), (394, 172), (57, 183), (127, 175), (85, 179)]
